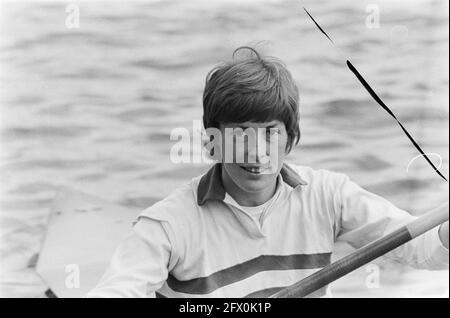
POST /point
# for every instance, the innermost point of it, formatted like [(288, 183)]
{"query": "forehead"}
[(251, 124)]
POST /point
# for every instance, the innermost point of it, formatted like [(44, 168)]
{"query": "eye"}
[(234, 132), (272, 131), (240, 132)]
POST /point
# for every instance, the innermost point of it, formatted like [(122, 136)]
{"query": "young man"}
[(251, 228)]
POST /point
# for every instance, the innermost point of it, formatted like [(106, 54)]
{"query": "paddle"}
[(366, 254)]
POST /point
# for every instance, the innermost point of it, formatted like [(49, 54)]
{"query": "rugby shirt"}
[(193, 244)]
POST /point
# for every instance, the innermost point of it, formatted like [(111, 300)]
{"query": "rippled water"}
[(92, 108)]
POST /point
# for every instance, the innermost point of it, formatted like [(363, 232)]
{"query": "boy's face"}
[(253, 162)]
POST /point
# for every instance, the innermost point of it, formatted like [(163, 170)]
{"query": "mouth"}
[(256, 170)]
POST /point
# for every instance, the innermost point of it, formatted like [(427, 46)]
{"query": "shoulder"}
[(177, 214), (315, 177), (324, 183), (180, 202)]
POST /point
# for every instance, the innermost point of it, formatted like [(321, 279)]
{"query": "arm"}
[(140, 265), (363, 217)]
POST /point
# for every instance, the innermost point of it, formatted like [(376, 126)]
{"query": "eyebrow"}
[(271, 125)]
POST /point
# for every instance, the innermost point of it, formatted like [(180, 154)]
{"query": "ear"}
[(292, 141), (289, 144)]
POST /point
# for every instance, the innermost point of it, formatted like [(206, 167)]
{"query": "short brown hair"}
[(253, 88)]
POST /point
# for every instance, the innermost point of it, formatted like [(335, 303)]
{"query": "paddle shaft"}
[(366, 254)]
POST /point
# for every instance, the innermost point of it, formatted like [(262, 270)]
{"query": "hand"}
[(443, 234)]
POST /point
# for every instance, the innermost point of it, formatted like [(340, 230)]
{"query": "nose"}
[(257, 150)]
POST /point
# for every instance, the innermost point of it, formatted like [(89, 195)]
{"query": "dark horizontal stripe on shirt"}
[(265, 293), (233, 274)]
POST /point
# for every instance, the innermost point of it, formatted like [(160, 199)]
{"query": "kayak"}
[(82, 233)]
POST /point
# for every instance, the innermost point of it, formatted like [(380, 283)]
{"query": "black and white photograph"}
[(225, 149)]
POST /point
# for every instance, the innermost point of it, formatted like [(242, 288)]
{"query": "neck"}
[(246, 198)]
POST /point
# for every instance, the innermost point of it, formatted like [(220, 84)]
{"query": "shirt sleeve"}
[(140, 264), (364, 217)]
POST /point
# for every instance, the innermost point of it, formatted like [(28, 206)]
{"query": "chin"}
[(260, 184)]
